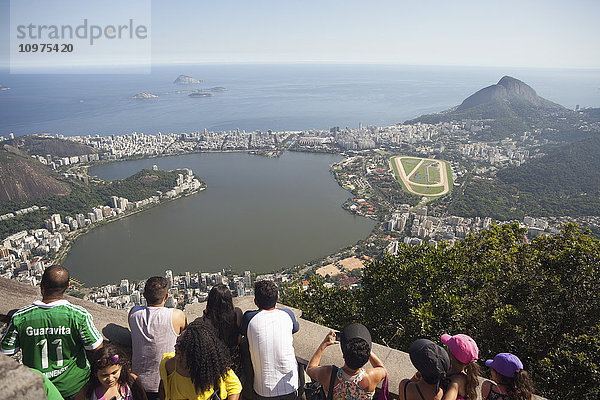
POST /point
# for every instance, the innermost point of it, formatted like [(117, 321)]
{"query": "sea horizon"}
[(278, 97)]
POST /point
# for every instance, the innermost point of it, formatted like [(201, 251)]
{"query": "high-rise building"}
[(56, 219), (124, 288), (169, 276)]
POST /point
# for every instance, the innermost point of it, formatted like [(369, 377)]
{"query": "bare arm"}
[(375, 361), (452, 392), (377, 373), (179, 321), (233, 396), (316, 372)]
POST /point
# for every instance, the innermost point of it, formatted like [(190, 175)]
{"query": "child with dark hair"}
[(351, 381), (110, 378), (511, 381), (462, 381), (432, 364), (199, 367)]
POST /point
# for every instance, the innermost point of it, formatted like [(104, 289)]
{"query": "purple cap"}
[(506, 364), (462, 347)]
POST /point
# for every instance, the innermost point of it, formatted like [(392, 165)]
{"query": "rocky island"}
[(200, 94), (145, 96), (186, 80)]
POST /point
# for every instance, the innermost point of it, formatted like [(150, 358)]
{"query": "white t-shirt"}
[(270, 340)]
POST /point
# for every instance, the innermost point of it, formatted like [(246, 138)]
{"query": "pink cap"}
[(462, 347)]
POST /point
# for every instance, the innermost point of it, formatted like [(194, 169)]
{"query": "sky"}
[(524, 33)]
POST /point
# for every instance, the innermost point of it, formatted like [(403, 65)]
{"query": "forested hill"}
[(83, 198), (564, 182)]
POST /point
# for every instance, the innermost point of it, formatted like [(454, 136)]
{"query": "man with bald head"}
[(54, 334)]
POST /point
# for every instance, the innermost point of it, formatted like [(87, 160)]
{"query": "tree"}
[(538, 300)]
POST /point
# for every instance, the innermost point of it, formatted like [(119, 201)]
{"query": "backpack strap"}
[(334, 371)]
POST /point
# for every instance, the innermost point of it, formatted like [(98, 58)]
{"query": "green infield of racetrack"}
[(428, 190), (434, 175), (409, 164)]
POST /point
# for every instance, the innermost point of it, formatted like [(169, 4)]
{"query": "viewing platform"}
[(17, 382)]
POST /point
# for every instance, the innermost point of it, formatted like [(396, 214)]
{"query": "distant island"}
[(186, 80), (217, 89), (200, 94), (4, 88), (145, 96)]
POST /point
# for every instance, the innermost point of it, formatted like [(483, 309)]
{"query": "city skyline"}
[(536, 34)]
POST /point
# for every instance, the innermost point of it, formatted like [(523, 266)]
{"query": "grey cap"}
[(355, 331)]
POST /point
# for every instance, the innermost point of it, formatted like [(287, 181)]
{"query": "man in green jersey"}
[(54, 334)]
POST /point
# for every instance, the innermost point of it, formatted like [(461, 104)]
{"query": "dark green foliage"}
[(564, 182), (333, 307), (83, 198), (538, 300)]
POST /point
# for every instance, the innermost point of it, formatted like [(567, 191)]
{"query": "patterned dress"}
[(348, 389)]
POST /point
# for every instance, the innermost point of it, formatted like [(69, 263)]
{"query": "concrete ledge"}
[(18, 382)]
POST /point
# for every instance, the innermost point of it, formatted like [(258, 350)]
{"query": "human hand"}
[(329, 339)]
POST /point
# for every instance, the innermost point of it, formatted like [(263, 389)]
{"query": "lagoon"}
[(257, 213)]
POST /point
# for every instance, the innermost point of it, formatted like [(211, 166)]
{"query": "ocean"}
[(261, 97)]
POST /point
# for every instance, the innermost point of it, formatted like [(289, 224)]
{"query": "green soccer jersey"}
[(53, 338)]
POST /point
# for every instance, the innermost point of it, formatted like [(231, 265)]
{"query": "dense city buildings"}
[(365, 172)]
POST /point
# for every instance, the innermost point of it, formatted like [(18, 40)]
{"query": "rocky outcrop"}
[(145, 96), (43, 146), (186, 80), (508, 90), (23, 178)]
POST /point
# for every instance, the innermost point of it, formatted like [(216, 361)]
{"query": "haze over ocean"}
[(261, 96)]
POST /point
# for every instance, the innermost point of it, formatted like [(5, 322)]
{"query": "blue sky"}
[(553, 34)]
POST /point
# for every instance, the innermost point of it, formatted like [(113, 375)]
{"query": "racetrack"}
[(408, 180)]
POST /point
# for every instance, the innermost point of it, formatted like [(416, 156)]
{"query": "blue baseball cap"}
[(505, 364)]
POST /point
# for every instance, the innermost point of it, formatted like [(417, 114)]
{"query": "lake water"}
[(258, 214)]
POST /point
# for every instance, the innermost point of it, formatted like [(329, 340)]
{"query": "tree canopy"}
[(538, 300)]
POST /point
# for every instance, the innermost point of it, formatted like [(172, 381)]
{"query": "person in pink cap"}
[(462, 380), (511, 381)]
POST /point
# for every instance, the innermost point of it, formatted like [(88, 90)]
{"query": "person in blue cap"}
[(511, 381)]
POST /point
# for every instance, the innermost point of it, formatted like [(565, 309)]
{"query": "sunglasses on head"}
[(103, 361)]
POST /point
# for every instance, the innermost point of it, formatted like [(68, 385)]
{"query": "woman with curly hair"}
[(111, 378), (199, 367)]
